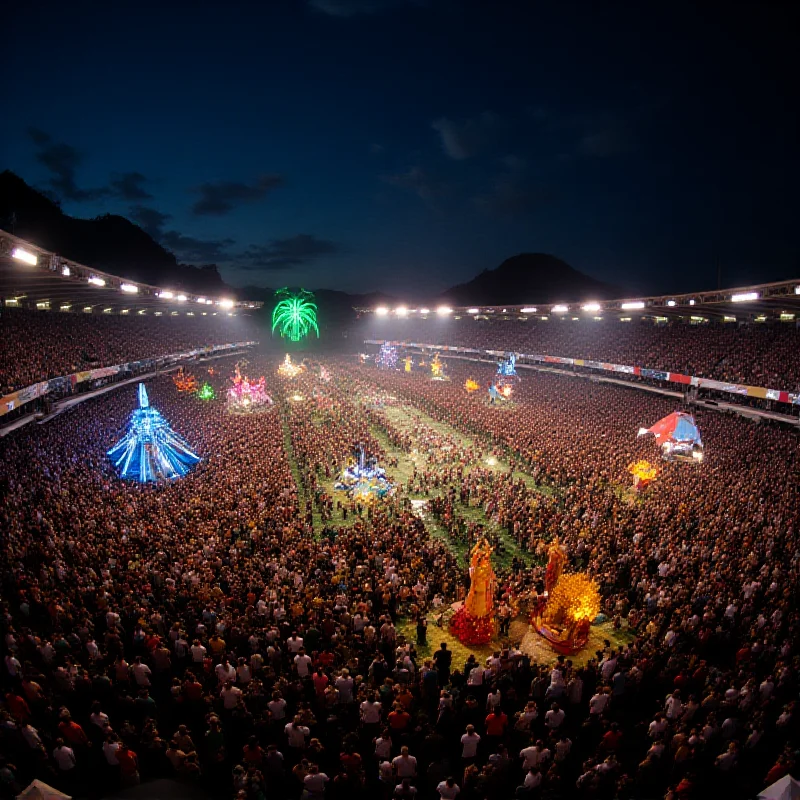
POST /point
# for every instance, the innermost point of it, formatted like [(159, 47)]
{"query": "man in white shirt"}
[(198, 652), (344, 683), (277, 707), (554, 717), (448, 789), (371, 711), (296, 734), (225, 672), (405, 765), (294, 644), (141, 672), (314, 782), (469, 743), (534, 756), (303, 663), (598, 702), (230, 695), (64, 756)]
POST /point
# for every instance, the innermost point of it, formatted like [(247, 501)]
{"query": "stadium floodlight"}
[(201, 300), (560, 309), (443, 311), (65, 307), (107, 310), (129, 288), (166, 295), (381, 311), (401, 311), (66, 271), (591, 307), (95, 281), (744, 297), (226, 303), (797, 289), (124, 311), (181, 298), (691, 302), (87, 309), (24, 256), (529, 310), (424, 311), (631, 306), (474, 311), (671, 303)]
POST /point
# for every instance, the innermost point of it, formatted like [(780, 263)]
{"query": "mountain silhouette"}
[(110, 243), (529, 278)]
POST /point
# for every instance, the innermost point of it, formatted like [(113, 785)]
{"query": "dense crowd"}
[(755, 354), (39, 345), (212, 631)]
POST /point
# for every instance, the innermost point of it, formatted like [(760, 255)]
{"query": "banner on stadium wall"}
[(656, 374), (22, 396)]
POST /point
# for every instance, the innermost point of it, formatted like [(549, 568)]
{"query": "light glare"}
[(743, 297), (381, 311), (591, 307), (129, 288), (443, 311), (95, 281), (560, 309), (631, 306), (24, 255)]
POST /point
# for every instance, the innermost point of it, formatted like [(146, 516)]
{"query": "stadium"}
[(400, 400), (275, 580)]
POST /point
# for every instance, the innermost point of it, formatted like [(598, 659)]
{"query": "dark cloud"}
[(204, 251), (128, 186), (221, 198), (352, 8), (462, 140), (150, 220), (62, 160), (186, 248), (292, 251), (513, 190), (418, 181)]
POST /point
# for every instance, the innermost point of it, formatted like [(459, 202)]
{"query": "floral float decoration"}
[(471, 385), (184, 381), (572, 603), (643, 473), (474, 623)]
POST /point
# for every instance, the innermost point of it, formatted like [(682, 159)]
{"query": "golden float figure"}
[(643, 473), (409, 363), (573, 601), (474, 622), (471, 385)]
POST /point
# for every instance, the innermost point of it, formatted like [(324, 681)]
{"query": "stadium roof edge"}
[(40, 276), (750, 300)]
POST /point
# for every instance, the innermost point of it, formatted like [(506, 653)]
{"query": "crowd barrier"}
[(66, 383), (741, 390)]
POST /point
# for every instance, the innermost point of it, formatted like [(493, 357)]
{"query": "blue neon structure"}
[(151, 450), (508, 366)]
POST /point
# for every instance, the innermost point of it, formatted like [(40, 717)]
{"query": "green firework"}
[(295, 315), (206, 392)]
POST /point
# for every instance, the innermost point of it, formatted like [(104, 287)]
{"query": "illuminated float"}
[(387, 356), (362, 479), (571, 604), (245, 395), (471, 385), (474, 623), (184, 381), (288, 369), (643, 473), (438, 369), (678, 437), (151, 450)]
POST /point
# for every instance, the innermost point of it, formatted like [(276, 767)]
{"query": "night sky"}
[(392, 144)]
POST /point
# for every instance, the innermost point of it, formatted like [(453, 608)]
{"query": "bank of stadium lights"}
[(166, 295), (424, 311), (691, 302), (66, 271), (95, 281), (25, 256), (744, 297), (671, 303), (65, 307), (797, 289), (226, 303), (474, 311), (636, 304), (529, 310), (443, 311), (181, 298), (560, 309), (129, 288), (125, 311), (381, 311), (591, 307), (401, 311)]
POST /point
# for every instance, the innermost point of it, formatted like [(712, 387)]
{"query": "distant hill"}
[(529, 278), (109, 243)]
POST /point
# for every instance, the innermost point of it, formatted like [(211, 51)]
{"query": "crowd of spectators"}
[(204, 630), (39, 345), (754, 354)]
